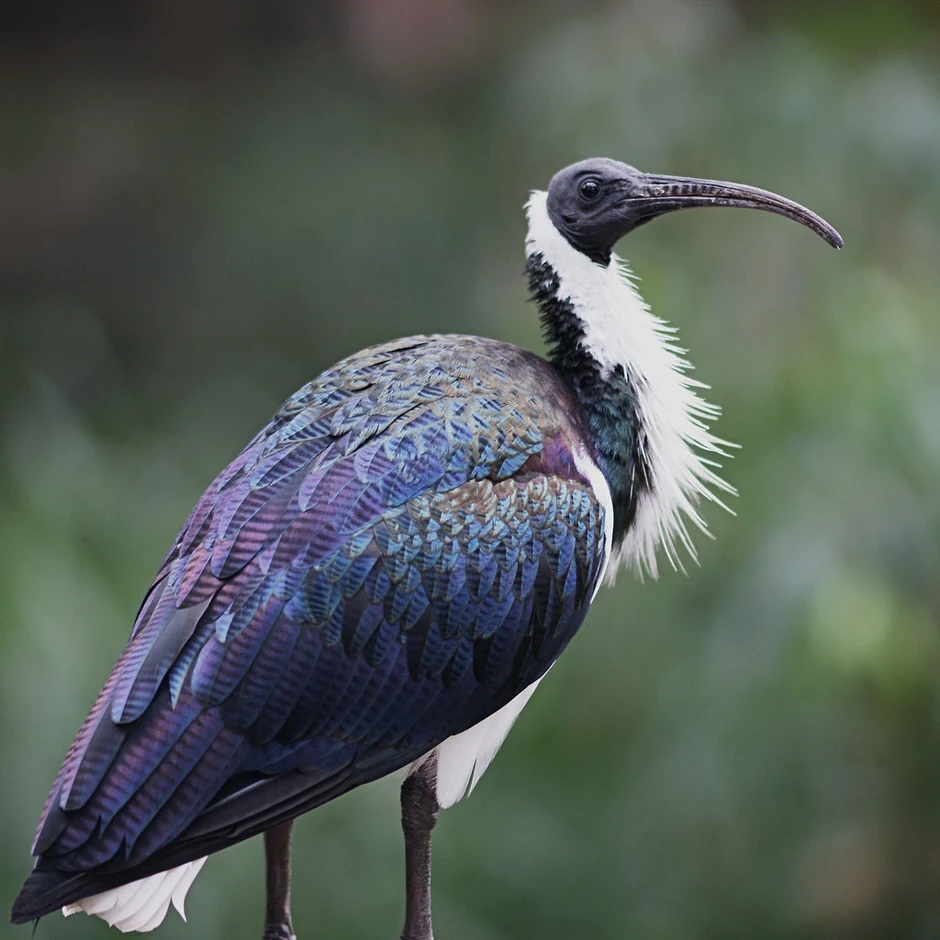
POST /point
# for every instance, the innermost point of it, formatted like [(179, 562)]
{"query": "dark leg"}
[(277, 923), (418, 815)]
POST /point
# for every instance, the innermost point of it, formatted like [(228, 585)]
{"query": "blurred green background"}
[(203, 204)]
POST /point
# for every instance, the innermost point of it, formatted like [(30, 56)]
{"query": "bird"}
[(384, 575)]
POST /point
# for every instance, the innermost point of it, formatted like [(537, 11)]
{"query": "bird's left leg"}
[(277, 922), (419, 808)]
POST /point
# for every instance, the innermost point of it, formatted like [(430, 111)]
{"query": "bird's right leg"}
[(277, 920), (419, 808)]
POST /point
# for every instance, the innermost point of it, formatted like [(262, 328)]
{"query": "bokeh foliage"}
[(202, 205)]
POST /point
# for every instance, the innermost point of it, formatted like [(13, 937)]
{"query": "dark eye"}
[(589, 189)]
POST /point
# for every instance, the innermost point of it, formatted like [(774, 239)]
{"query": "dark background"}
[(203, 204)]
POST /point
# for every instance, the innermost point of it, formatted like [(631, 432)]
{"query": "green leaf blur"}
[(202, 206)]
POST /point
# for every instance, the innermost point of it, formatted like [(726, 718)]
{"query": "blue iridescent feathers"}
[(406, 546)]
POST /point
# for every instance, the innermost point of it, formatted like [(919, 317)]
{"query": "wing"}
[(391, 560)]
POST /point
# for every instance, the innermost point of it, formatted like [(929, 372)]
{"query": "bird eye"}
[(589, 189)]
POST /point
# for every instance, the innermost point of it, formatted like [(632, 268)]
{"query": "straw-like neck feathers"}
[(649, 423)]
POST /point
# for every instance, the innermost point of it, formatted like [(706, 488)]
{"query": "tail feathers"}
[(140, 905), (44, 891)]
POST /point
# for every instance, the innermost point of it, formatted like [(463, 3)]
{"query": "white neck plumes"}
[(620, 331)]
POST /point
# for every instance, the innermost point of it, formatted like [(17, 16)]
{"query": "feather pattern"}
[(407, 547)]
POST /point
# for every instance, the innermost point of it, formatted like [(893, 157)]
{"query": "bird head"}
[(595, 202)]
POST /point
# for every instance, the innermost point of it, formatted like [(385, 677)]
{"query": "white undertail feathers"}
[(141, 905)]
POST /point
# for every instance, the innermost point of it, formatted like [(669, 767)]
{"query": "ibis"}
[(384, 575)]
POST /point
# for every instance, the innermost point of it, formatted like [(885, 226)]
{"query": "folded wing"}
[(390, 561)]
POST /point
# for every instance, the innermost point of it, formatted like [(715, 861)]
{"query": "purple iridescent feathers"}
[(404, 547)]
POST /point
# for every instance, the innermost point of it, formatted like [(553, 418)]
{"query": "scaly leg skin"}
[(419, 808), (277, 922)]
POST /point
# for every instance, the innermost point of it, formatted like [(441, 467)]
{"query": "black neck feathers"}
[(608, 397)]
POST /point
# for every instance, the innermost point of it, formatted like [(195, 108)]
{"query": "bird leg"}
[(277, 922), (419, 808)]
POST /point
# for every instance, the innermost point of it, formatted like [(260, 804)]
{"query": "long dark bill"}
[(652, 196)]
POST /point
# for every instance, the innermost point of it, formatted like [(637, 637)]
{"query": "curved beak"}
[(648, 196)]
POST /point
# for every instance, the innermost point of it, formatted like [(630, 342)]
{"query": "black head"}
[(596, 202)]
